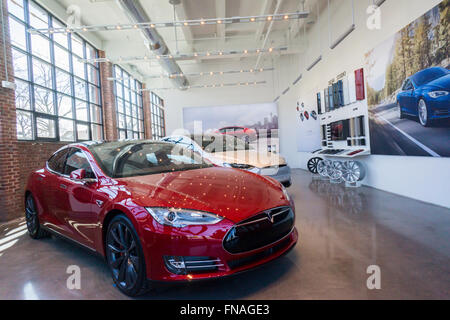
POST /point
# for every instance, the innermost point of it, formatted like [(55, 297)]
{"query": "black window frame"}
[(53, 90), (157, 116)]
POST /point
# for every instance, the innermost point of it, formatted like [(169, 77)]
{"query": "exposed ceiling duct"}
[(137, 14)]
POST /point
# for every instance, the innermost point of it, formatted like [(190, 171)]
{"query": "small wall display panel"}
[(343, 116)]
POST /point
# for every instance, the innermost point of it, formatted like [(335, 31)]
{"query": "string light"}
[(208, 86), (167, 24)]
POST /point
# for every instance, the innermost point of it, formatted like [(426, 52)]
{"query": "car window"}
[(56, 162), (77, 160), (407, 85)]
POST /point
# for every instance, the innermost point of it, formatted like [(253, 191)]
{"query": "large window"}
[(130, 111), (158, 122), (57, 97)]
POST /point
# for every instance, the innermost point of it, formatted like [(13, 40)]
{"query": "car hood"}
[(230, 193), (250, 157), (442, 83)]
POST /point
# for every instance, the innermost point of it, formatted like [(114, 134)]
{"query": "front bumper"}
[(205, 241), (439, 108)]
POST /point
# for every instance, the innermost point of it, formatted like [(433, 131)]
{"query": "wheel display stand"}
[(351, 172)]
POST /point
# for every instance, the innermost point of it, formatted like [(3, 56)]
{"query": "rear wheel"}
[(125, 257), (34, 228), (399, 111)]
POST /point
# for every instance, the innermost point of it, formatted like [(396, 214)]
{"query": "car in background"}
[(243, 133), (426, 95), (157, 211), (229, 151)]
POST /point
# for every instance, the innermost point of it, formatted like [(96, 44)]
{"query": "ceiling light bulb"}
[(221, 72), (118, 27), (185, 23), (202, 22), (219, 21), (242, 70), (269, 18), (245, 51), (211, 73), (158, 57), (252, 19), (152, 25), (270, 49), (258, 51), (135, 26), (207, 53), (195, 54), (220, 53), (251, 70), (286, 17)]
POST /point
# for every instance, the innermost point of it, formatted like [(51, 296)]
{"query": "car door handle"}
[(63, 186)]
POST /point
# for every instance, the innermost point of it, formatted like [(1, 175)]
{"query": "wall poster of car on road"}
[(408, 88)]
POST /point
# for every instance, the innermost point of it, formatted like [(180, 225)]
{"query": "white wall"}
[(422, 178)]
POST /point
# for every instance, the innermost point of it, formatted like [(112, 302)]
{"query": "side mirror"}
[(79, 174)]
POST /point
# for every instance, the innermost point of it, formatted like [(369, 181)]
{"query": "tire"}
[(312, 165), (125, 257), (422, 112), (33, 225), (399, 111)]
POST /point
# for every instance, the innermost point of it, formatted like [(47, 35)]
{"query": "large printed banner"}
[(408, 88)]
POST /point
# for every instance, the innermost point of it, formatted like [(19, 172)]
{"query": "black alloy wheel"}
[(125, 257), (31, 216), (312, 165)]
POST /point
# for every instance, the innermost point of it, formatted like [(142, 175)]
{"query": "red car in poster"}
[(157, 211), (243, 133)]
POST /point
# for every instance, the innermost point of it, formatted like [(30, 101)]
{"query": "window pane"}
[(45, 128), (92, 74), (42, 73), (63, 83), (82, 110), (91, 53), (17, 31), (82, 131), (120, 106), (78, 68), (15, 7), (62, 58), (43, 99), (129, 123), (96, 114), (122, 135), (22, 93), (121, 121), (94, 94), (38, 17), (77, 46), (40, 46), (119, 88), (80, 89), (20, 62), (97, 132), (65, 106), (60, 38), (66, 130), (24, 125)]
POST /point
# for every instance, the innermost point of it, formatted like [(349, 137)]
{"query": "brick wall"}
[(9, 169), (32, 156), (147, 113), (109, 101)]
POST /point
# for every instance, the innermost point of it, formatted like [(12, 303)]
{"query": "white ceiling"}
[(198, 38)]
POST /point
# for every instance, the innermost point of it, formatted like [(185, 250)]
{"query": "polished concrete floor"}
[(342, 233)]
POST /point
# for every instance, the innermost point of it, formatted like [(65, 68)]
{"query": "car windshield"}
[(138, 158), (428, 75), (220, 143)]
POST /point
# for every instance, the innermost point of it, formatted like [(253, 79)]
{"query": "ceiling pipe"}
[(136, 13)]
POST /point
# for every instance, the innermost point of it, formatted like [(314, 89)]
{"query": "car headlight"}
[(286, 194), (438, 94), (180, 218)]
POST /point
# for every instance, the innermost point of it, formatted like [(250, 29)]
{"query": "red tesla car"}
[(246, 134), (156, 211)]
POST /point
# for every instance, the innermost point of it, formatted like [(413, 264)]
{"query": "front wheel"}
[(125, 257), (423, 113)]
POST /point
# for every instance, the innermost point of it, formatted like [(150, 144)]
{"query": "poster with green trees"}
[(408, 88)]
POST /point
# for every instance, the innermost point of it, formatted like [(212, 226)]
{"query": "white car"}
[(229, 151)]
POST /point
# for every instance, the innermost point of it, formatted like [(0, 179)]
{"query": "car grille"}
[(236, 263), (260, 230)]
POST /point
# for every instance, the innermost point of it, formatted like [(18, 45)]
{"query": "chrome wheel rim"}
[(31, 215), (123, 255), (423, 116)]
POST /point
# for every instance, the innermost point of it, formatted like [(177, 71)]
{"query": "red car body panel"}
[(77, 210)]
